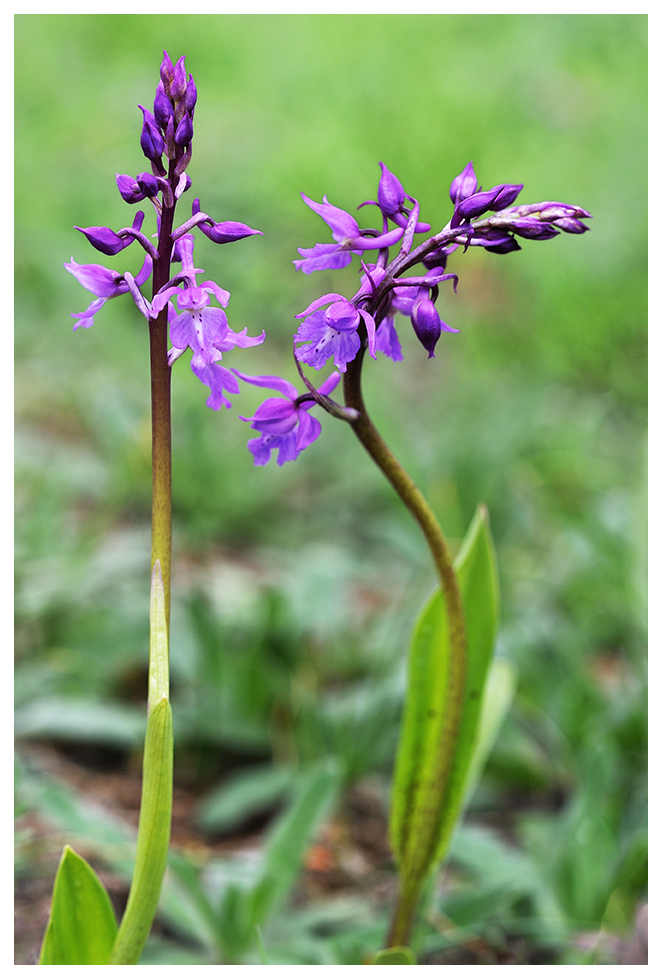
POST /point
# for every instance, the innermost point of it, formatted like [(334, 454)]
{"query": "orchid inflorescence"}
[(195, 324), (333, 327)]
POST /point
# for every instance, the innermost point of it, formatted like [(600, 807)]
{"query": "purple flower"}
[(333, 332), (105, 284), (198, 325), (347, 235), (284, 423)]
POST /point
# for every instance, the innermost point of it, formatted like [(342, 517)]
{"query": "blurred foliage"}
[(295, 588)]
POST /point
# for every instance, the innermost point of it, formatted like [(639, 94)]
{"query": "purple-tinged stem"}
[(410, 886)]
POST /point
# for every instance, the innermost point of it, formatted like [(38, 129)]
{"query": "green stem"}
[(156, 800), (413, 879)]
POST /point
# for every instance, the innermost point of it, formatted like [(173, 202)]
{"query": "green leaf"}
[(82, 927), (398, 955), (153, 837), (316, 792), (497, 698), (243, 795), (424, 808)]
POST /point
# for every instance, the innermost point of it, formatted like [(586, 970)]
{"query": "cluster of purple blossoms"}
[(195, 324), (333, 327)]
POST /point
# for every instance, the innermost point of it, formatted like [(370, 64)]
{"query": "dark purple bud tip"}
[(390, 194), (128, 188), (184, 133), (178, 84), (464, 185), (427, 324), (148, 184), (151, 140), (228, 231), (167, 70)]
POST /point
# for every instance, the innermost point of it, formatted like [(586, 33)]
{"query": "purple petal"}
[(86, 319), (98, 279), (216, 378), (342, 224), (382, 241), (269, 381), (322, 257), (309, 429), (261, 449), (387, 340), (275, 416), (322, 301), (222, 295)]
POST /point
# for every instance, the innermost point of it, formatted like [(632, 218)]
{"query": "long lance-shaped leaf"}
[(156, 799), (81, 928), (425, 806)]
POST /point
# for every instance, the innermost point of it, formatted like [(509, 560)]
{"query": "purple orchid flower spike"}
[(347, 235), (284, 423), (333, 332)]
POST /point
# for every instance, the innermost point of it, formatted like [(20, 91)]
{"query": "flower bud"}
[(105, 240), (572, 225), (532, 228), (474, 206), (162, 107), (226, 231), (184, 133), (178, 84), (464, 185), (426, 322), (148, 184), (191, 96), (506, 196), (128, 188), (167, 72), (151, 141), (391, 194)]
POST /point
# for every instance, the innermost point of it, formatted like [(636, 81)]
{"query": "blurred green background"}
[(294, 588)]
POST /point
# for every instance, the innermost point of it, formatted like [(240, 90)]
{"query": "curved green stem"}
[(412, 879)]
